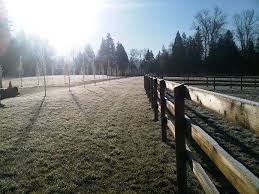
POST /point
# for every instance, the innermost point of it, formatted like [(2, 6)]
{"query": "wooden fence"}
[(229, 81), (183, 128)]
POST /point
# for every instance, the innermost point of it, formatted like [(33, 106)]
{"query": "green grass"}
[(98, 139)]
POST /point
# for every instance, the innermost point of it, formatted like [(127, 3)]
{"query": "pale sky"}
[(135, 23)]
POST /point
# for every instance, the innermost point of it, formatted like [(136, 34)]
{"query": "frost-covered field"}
[(250, 93), (56, 80), (247, 93), (97, 139)]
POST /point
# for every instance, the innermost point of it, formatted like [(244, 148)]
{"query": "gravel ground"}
[(98, 139)]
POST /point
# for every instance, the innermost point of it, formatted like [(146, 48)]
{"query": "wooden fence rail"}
[(215, 81), (243, 180)]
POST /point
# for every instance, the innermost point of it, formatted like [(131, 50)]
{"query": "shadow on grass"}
[(35, 115), (24, 132), (76, 100)]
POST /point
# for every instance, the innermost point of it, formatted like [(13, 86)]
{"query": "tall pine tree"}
[(122, 59), (178, 53)]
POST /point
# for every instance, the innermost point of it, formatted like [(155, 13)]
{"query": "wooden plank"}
[(170, 126), (190, 81), (221, 84), (240, 177), (197, 169), (158, 95), (158, 81), (171, 85), (235, 109), (205, 181), (170, 107), (210, 76)]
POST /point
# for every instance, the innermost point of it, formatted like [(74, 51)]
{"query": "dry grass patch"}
[(98, 139)]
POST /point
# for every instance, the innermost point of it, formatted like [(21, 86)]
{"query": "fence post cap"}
[(162, 84)]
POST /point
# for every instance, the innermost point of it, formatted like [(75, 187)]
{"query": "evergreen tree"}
[(224, 55), (122, 59), (106, 55), (178, 53), (250, 62), (89, 58), (148, 63), (110, 49), (198, 51), (189, 55), (250, 48), (164, 61), (101, 58), (257, 45), (256, 58)]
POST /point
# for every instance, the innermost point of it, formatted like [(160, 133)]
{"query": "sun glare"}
[(65, 23)]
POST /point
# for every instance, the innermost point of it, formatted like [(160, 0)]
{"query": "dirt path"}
[(98, 139)]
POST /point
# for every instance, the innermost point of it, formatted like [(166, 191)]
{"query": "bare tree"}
[(1, 84), (67, 63), (210, 25), (1, 76), (246, 28), (84, 70), (52, 69), (44, 77), (37, 72), (218, 20), (20, 70), (69, 80), (41, 55)]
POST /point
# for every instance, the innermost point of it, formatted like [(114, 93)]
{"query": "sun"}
[(65, 23)]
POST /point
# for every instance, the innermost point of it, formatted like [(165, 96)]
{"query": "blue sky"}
[(135, 23), (150, 24)]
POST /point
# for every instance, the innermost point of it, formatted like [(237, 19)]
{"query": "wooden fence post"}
[(207, 81), (155, 99), (214, 83), (180, 135), (145, 83), (151, 91), (163, 109), (148, 87), (230, 82), (241, 80)]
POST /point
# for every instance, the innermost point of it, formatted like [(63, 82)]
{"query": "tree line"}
[(37, 55), (110, 59), (212, 49)]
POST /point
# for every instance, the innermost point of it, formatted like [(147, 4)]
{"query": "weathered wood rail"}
[(229, 81), (182, 128)]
